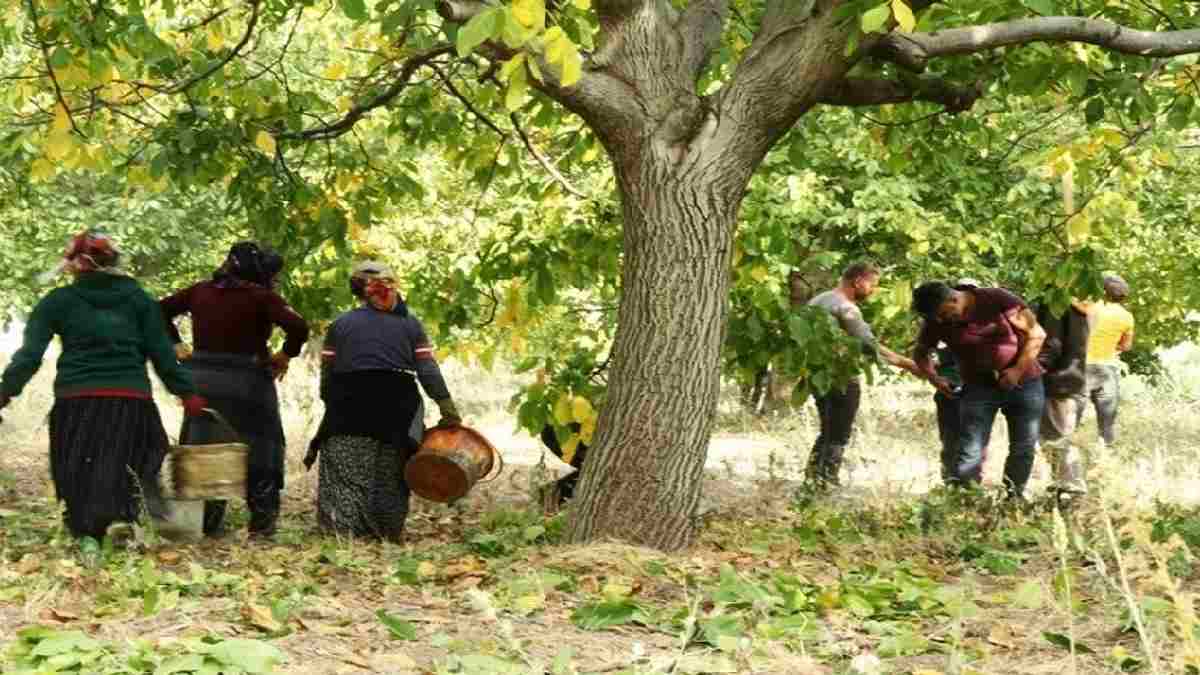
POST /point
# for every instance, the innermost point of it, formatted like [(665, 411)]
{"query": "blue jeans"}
[(1022, 408)]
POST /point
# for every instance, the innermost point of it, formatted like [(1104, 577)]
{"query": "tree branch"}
[(913, 50), (700, 28), (855, 91), (58, 92), (604, 101), (233, 54), (541, 159), (352, 116)]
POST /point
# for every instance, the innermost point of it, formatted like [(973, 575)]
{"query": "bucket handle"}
[(497, 459)]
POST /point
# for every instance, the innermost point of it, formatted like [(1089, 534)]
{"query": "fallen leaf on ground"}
[(260, 617), (1003, 635), (169, 557)]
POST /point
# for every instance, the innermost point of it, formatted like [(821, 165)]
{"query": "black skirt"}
[(105, 454)]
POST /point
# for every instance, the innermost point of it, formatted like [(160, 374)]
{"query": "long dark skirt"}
[(242, 390), (362, 491), (366, 438), (105, 454)]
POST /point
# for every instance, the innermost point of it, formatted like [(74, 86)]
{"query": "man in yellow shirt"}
[(1111, 334)]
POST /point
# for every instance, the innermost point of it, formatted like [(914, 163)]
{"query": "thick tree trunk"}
[(641, 483)]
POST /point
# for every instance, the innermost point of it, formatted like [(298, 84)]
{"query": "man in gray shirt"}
[(837, 409)]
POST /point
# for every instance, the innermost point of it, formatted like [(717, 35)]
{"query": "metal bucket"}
[(450, 461), (211, 470)]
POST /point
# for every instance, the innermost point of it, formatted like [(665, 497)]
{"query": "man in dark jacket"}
[(1064, 358)]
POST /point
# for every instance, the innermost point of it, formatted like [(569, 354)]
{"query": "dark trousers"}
[(949, 419), (836, 410), (1022, 407)]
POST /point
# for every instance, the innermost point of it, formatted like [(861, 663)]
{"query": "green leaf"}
[(252, 656), (354, 9), (903, 644), (1060, 640), (399, 628), (602, 615), (60, 57), (874, 19), (67, 641), (518, 87), (1043, 7), (1094, 112), (858, 605), (184, 663), (481, 28), (1180, 116)]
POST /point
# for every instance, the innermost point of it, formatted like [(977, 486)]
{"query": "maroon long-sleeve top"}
[(236, 320)]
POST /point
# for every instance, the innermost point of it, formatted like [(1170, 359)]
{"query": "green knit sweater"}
[(108, 327)]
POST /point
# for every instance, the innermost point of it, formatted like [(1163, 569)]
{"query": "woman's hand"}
[(279, 365)]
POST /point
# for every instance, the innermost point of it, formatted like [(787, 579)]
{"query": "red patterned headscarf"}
[(91, 251), (88, 251)]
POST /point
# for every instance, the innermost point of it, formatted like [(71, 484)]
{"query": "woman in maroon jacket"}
[(233, 315)]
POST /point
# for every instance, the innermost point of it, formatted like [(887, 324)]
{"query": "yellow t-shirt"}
[(1110, 322)]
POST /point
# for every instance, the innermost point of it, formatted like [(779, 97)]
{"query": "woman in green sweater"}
[(107, 441)]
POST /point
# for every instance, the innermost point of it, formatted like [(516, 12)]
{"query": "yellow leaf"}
[(335, 71), (530, 13), (572, 64), (556, 43), (904, 15), (563, 410), (587, 431), (426, 569), (215, 39), (759, 273), (59, 145), (1079, 228), (62, 121), (519, 344), (581, 409), (569, 448), (265, 142), (41, 169), (585, 5)]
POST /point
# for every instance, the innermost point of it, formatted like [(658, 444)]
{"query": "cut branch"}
[(913, 50), (853, 91), (352, 116)]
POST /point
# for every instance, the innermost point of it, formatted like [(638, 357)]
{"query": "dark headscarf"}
[(248, 263)]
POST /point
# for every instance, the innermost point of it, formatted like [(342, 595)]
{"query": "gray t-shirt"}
[(848, 315)]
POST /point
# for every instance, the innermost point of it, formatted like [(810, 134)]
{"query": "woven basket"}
[(210, 470)]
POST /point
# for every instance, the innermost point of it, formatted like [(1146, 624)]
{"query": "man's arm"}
[(1032, 335), (898, 360), (1126, 342)]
